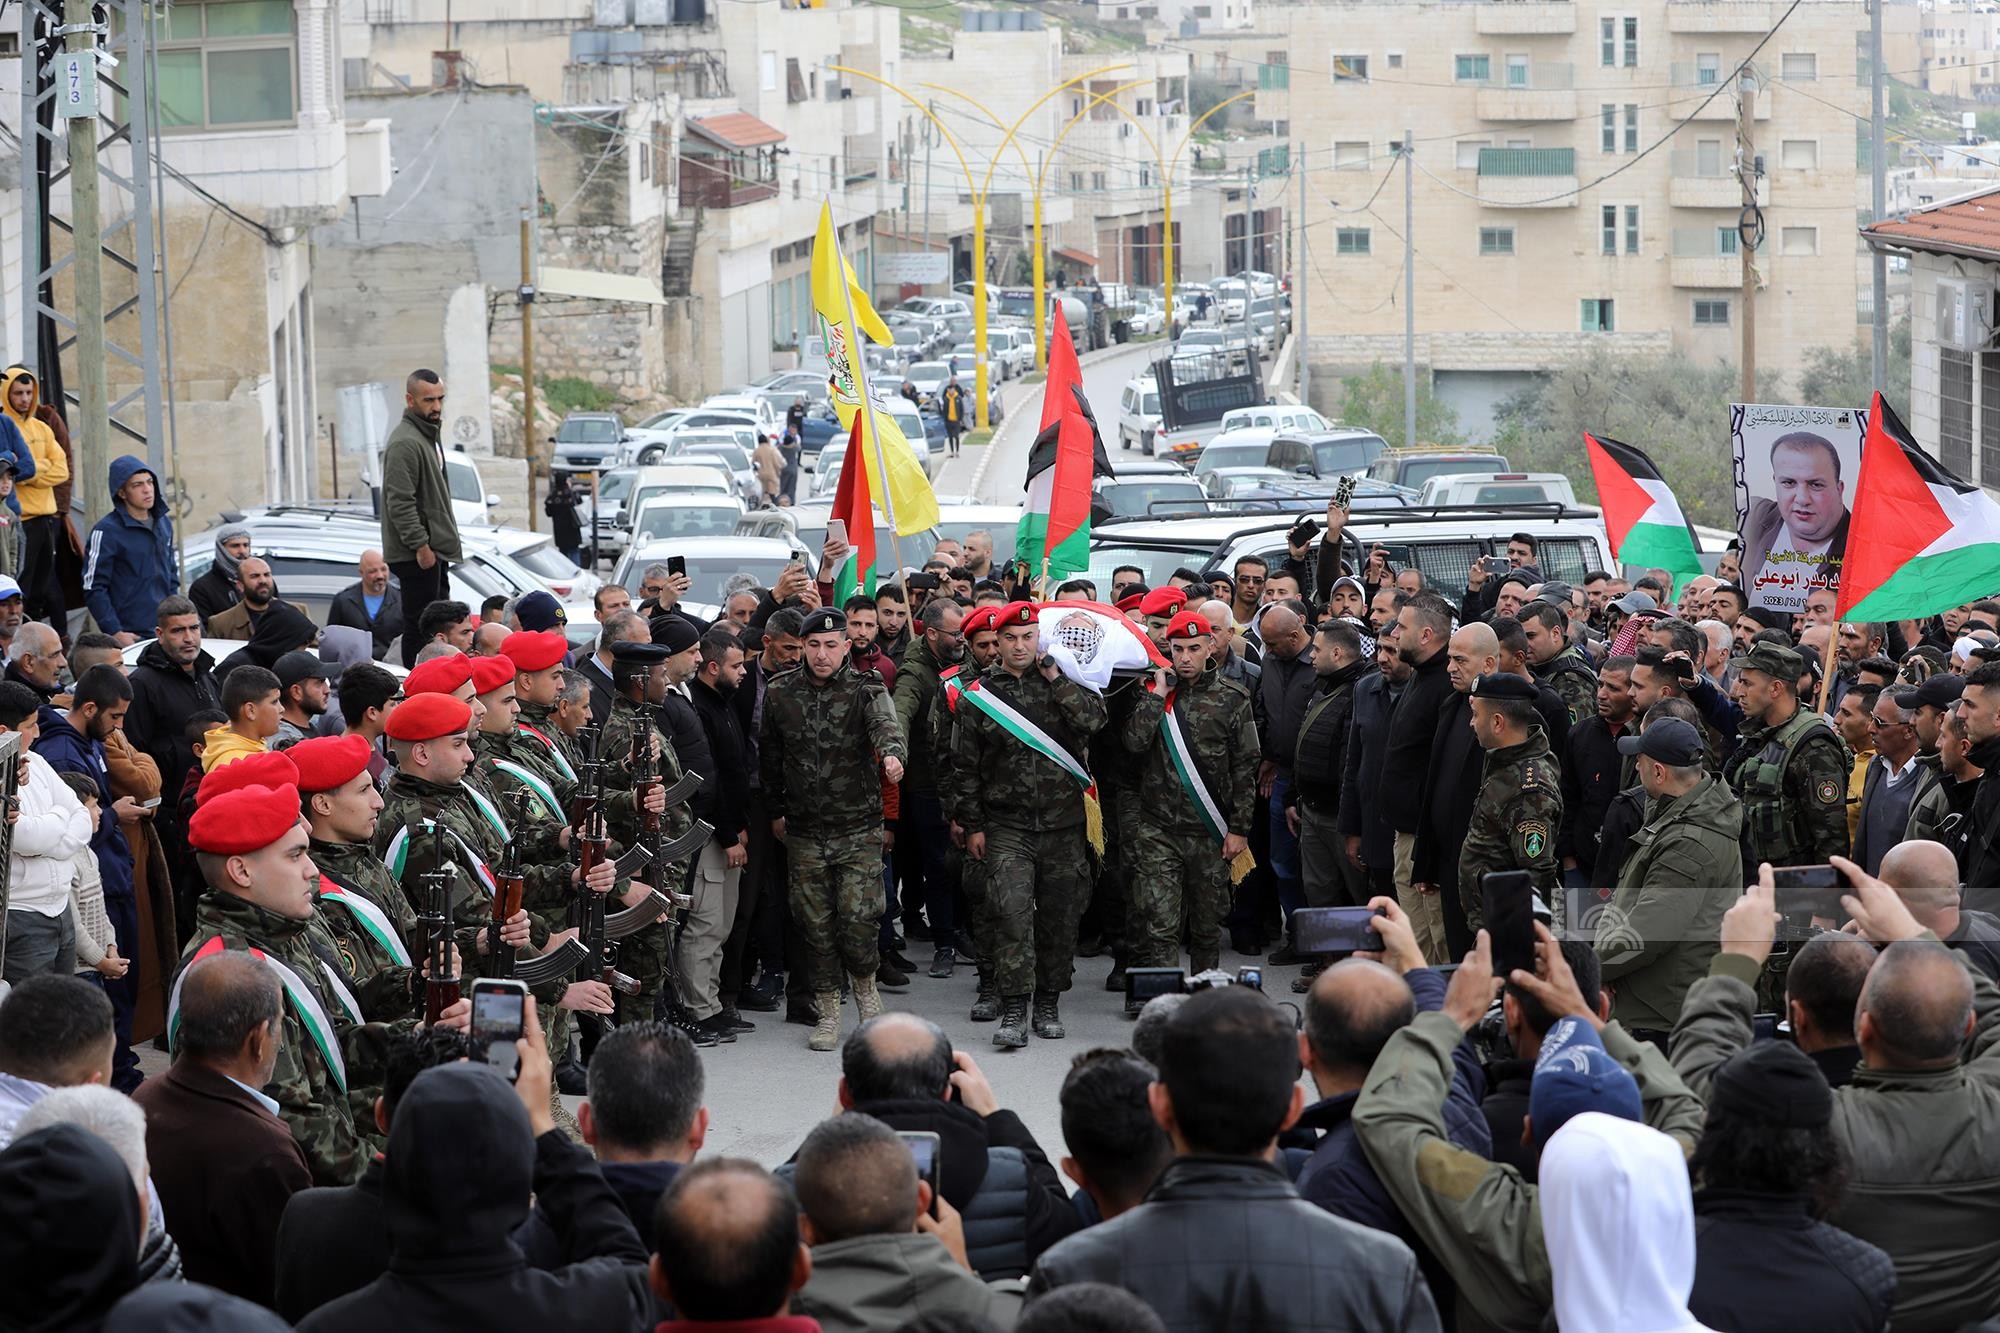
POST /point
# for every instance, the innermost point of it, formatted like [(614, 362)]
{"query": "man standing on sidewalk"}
[(419, 531)]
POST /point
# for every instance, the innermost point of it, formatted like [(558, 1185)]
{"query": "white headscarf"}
[(1618, 1221)]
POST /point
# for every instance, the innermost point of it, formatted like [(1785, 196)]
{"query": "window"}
[(1708, 157), (1076, 181), (1498, 241), (1097, 180), (1631, 42), (1350, 155), (1707, 69), (227, 64), (1955, 411), (1517, 71), (1350, 68), (1350, 241), (1473, 69), (1597, 317), (1631, 127), (1395, 59), (1467, 158), (1608, 128), (1728, 241), (1607, 243), (767, 65), (1798, 240), (1799, 67), (1989, 415), (1631, 229), (1711, 314), (1607, 42), (795, 81), (1799, 154)]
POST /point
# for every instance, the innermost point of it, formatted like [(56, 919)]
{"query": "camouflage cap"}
[(1784, 663)]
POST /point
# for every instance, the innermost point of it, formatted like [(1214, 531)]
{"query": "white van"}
[(1139, 413)]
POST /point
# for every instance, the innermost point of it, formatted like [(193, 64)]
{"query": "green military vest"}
[(1760, 784)]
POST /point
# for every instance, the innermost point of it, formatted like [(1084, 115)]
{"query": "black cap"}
[(674, 633), (1503, 685), (1669, 740), (826, 620), (1773, 1082), (300, 664), (1940, 691), (638, 654)]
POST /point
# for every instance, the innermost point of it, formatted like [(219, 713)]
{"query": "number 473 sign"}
[(77, 85)]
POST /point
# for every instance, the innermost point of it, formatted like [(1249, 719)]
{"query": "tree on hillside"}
[(1843, 377), (1374, 401)]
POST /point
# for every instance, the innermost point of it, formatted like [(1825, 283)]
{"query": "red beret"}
[(266, 768), (1014, 613), (326, 762), (490, 673), (247, 819), (425, 717), (440, 675), (1161, 602), (535, 650), (978, 620), (1131, 603), (1189, 625)]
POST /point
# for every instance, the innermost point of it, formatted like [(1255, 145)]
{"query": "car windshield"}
[(544, 559), (1350, 455), (1417, 473), (664, 522), (708, 573), (464, 482), (720, 486), (589, 430), (1233, 455), (1156, 564), (615, 485), (908, 336), (1017, 304), (729, 452), (1136, 499)]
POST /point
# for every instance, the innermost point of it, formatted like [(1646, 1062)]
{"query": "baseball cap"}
[(9, 589), (1769, 658), (300, 664), (1635, 601), (1669, 740), (1940, 691), (1575, 1074)]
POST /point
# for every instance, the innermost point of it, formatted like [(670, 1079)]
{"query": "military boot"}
[(1013, 1030), (1048, 1022), (1114, 980), (826, 1033), (986, 1007), (866, 998)]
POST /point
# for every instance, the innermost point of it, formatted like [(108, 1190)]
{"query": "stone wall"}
[(617, 346)]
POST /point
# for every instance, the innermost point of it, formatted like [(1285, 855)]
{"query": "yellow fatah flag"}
[(904, 495)]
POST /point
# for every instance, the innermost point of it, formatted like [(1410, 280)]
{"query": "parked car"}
[(964, 363), (710, 563), (536, 553), (470, 500), (803, 525), (1324, 455), (588, 441), (1000, 521), (1147, 496), (1139, 413), (666, 517), (1484, 488), (1414, 467), (767, 419), (725, 445), (826, 470), (928, 377), (1280, 416), (1231, 300), (1013, 348), (1148, 318)]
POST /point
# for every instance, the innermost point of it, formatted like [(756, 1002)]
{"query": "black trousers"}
[(420, 588), (41, 588)]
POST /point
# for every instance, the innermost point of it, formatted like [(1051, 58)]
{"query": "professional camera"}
[(1143, 983)]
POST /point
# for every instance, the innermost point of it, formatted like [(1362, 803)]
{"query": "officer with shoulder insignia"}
[(1790, 767), (1196, 742), (262, 886), (829, 738), (1519, 807), (1022, 730)]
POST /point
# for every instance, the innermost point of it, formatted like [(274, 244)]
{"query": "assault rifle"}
[(511, 879), (441, 986)]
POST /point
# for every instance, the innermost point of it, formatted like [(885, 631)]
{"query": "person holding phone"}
[(1519, 806), (1656, 937)]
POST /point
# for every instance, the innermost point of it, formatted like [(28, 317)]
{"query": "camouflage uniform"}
[(1569, 675), (1514, 820), (555, 753), (1177, 863), (1031, 811), (1117, 772), (644, 955), (389, 987), (819, 753), (311, 1098), (971, 873), (1792, 780)]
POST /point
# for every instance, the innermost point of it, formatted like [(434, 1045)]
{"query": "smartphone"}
[(1809, 890), (1304, 530), (1322, 930), (836, 531), (1508, 898), (1763, 1027), (1343, 494), (923, 1146), (1143, 983), (677, 564), (149, 805), (499, 1019)]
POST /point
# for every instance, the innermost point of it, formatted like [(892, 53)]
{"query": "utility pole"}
[(1878, 262), (1749, 225), (1409, 151), (76, 94), (1301, 292), (1249, 198), (927, 192), (529, 448)]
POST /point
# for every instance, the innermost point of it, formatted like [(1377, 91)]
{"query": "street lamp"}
[(978, 190), (1041, 321)]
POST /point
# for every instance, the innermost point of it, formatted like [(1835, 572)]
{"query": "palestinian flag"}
[(1919, 540), (1641, 515), (851, 504), (1067, 456)]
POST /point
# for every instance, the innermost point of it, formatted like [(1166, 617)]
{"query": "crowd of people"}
[(288, 866)]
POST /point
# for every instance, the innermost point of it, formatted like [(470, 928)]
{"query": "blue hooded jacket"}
[(15, 450), (70, 751), (130, 567)]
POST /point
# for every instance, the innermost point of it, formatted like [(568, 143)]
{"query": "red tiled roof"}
[(1969, 227), (1076, 256), (736, 129)]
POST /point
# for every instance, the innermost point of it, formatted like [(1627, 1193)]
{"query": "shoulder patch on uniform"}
[(1534, 836), (1829, 792)]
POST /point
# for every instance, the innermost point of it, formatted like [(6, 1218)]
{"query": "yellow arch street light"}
[(978, 190), (1041, 291)]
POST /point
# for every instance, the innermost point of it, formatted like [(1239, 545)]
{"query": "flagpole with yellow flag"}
[(899, 485)]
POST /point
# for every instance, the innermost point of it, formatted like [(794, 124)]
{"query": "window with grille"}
[(1350, 240), (1607, 42), (1631, 127), (1631, 42), (1607, 243), (1498, 241), (1607, 117), (1799, 67), (1955, 411), (1631, 229), (1989, 417), (1711, 314), (1473, 69)]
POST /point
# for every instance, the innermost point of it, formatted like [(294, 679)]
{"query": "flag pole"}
[(1826, 666), (867, 408)]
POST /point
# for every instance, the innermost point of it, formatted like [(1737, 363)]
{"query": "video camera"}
[(1144, 983)]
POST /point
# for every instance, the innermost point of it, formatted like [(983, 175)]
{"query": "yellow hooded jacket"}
[(221, 746), (37, 493)]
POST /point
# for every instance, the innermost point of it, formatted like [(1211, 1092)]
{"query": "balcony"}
[(1526, 18), (1707, 180), (1541, 91), (1702, 258), (1527, 177), (1758, 16)]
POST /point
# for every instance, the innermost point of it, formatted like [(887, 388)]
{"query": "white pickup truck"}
[(1498, 488)]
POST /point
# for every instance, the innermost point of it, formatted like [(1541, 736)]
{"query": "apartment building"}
[(1575, 181), (1958, 51)]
